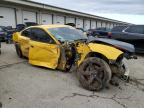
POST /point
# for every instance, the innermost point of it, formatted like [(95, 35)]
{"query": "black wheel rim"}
[(93, 75)]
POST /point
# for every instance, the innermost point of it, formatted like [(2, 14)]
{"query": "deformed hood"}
[(115, 43)]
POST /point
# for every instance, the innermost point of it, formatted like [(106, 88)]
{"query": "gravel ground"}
[(25, 86)]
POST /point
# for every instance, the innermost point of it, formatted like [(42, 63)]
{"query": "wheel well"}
[(95, 54)]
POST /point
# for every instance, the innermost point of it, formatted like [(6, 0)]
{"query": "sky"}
[(131, 11)]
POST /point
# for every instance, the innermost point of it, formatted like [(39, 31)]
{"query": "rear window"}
[(103, 29), (135, 29), (118, 28)]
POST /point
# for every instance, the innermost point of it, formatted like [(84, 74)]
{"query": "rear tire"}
[(94, 74), (18, 50)]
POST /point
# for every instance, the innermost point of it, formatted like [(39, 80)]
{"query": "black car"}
[(133, 34), (20, 27), (9, 32), (100, 32), (116, 30)]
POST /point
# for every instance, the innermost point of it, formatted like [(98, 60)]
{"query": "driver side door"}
[(43, 49)]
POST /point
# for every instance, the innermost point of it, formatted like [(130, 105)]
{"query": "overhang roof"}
[(63, 10)]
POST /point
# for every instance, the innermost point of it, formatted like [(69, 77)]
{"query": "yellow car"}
[(65, 48)]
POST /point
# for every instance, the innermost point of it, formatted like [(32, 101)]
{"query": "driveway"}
[(25, 86)]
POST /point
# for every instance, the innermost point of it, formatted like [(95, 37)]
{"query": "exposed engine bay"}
[(72, 53), (69, 55)]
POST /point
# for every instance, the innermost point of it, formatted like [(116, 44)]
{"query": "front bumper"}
[(126, 73)]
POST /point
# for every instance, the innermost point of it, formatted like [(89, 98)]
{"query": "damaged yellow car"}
[(65, 48)]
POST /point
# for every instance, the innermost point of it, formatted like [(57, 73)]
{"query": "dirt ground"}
[(25, 86)]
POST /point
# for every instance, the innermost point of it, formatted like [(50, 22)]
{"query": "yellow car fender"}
[(109, 52), (83, 50)]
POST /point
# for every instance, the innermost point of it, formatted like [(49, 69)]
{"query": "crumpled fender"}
[(109, 52)]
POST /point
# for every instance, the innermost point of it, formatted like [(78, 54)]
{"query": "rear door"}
[(24, 40), (43, 49)]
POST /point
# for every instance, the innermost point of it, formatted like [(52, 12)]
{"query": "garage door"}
[(46, 19), (111, 25), (7, 17), (98, 24), (79, 23), (108, 25), (93, 24), (29, 16), (58, 19), (70, 20), (86, 24), (103, 24)]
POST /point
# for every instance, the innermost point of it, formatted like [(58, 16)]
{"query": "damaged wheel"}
[(94, 73)]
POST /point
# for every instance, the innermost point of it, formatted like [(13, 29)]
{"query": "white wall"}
[(46, 19), (7, 17), (98, 24), (25, 14), (103, 24), (70, 20), (58, 19), (86, 24), (79, 23), (28, 16), (93, 24)]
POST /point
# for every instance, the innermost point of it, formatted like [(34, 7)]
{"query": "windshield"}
[(118, 28), (67, 33)]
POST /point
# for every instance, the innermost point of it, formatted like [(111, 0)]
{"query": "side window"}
[(26, 33), (41, 36), (135, 29)]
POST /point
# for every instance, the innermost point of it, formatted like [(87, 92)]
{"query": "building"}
[(13, 12)]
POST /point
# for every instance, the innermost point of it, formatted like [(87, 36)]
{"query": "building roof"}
[(63, 10)]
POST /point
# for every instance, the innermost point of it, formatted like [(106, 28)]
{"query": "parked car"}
[(2, 33), (28, 24), (99, 32), (71, 24), (133, 34), (65, 48), (9, 32), (83, 31), (20, 27), (116, 30)]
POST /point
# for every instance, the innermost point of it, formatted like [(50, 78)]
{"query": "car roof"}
[(50, 26)]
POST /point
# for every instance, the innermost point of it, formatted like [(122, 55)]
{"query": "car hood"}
[(118, 44)]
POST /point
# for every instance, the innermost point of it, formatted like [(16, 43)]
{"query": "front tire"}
[(94, 74)]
